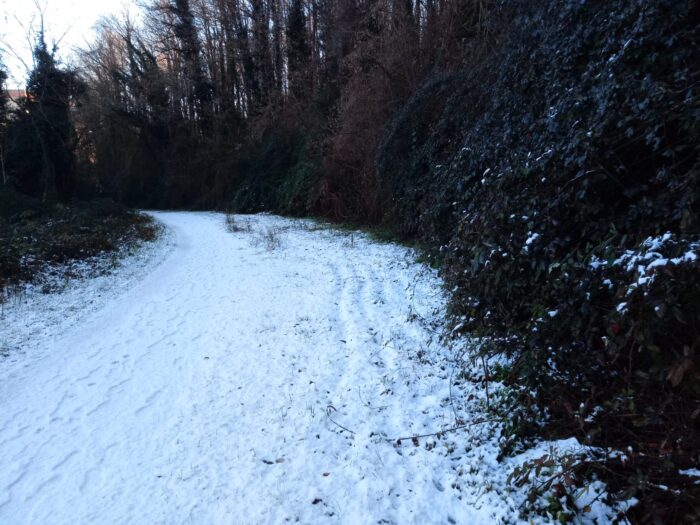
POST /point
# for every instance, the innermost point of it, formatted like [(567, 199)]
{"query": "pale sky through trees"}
[(72, 18)]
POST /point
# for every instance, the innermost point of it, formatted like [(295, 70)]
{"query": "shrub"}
[(570, 148), (36, 234)]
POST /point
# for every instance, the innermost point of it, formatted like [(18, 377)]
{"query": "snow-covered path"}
[(202, 394)]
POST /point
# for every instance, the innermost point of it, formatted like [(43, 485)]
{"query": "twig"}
[(458, 364), (329, 410), (486, 383), (440, 432)]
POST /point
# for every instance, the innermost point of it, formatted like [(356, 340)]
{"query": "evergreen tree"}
[(3, 125), (50, 91)]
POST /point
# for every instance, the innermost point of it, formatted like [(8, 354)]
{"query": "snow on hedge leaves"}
[(644, 263)]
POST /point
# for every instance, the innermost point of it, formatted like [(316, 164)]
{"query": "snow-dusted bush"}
[(549, 175)]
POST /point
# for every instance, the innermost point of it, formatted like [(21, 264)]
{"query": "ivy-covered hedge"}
[(559, 182)]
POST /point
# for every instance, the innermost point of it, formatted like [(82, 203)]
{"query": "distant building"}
[(14, 95)]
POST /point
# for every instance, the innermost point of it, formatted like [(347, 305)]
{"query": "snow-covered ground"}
[(261, 376)]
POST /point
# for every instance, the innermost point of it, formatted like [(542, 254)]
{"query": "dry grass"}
[(270, 238)]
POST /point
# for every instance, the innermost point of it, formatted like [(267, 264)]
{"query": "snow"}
[(215, 378), (650, 258), (531, 238), (656, 243), (84, 286), (691, 472), (644, 263), (597, 263)]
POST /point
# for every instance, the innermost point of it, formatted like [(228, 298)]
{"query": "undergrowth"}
[(33, 234)]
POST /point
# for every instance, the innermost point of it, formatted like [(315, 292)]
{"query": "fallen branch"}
[(330, 409), (441, 432)]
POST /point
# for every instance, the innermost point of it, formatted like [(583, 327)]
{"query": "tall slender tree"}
[(277, 55), (262, 56), (199, 87), (298, 50)]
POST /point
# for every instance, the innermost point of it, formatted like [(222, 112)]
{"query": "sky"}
[(71, 21)]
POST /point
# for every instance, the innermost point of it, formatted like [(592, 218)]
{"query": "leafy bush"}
[(554, 163)]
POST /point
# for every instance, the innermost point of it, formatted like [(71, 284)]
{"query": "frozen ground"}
[(261, 376)]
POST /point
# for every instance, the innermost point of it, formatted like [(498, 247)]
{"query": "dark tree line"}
[(266, 104)]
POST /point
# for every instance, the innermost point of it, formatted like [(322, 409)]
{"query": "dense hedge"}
[(558, 180)]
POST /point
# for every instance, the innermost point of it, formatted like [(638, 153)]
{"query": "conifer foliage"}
[(3, 125), (39, 143), (50, 91)]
